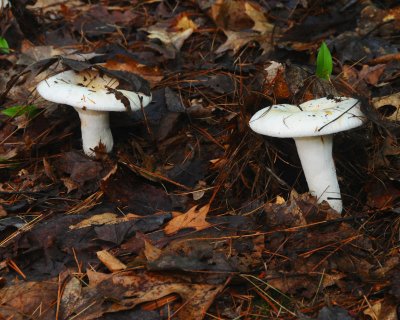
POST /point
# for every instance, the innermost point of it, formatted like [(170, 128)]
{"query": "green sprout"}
[(29, 110), (324, 62), (4, 48)]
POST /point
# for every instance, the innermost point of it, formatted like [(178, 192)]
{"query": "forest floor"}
[(193, 215)]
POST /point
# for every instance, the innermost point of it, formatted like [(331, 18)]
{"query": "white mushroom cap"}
[(88, 90), (312, 118), (93, 95)]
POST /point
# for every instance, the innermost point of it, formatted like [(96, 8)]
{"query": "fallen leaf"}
[(388, 106), (98, 219), (125, 290), (151, 252), (236, 40), (125, 63), (372, 74), (382, 310), (171, 39), (255, 12), (230, 15), (183, 22), (111, 262), (382, 196), (192, 219), (3, 212), (70, 184), (172, 33), (30, 298), (70, 296), (48, 170)]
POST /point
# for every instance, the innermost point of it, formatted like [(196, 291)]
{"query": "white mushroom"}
[(312, 125), (93, 96), (3, 4)]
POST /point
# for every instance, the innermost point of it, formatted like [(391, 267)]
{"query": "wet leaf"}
[(333, 313), (125, 290), (30, 297)]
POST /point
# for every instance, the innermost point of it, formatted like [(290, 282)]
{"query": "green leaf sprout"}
[(29, 110), (324, 62), (4, 48)]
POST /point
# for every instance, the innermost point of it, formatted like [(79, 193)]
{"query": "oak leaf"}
[(192, 219)]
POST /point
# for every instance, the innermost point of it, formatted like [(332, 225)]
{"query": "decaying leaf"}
[(388, 106), (98, 219), (229, 14), (382, 310), (151, 252), (126, 289), (192, 219), (256, 14), (125, 63), (172, 33), (236, 40), (70, 296), (30, 298)]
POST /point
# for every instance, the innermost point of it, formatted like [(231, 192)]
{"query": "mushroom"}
[(312, 125), (93, 96)]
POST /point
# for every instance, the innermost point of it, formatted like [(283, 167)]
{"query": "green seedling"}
[(324, 62), (29, 110), (4, 48)]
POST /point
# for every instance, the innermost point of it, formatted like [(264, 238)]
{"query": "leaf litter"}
[(192, 216)]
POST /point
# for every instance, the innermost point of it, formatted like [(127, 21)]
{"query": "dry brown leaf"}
[(382, 310), (111, 262), (124, 290), (371, 74), (48, 170), (3, 212), (70, 296), (98, 219), (183, 22), (70, 184), (233, 17), (151, 252), (192, 219), (236, 40), (9, 154), (255, 12), (123, 63), (389, 106), (174, 39), (30, 298), (103, 218), (172, 33)]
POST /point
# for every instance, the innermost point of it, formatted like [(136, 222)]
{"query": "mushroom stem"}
[(315, 154), (95, 129)]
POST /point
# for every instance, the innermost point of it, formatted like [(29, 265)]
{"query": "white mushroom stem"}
[(315, 154), (95, 128)]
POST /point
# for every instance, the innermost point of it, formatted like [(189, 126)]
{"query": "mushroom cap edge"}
[(312, 118), (64, 88)]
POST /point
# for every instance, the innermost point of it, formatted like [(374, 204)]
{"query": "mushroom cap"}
[(312, 118), (89, 90)]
